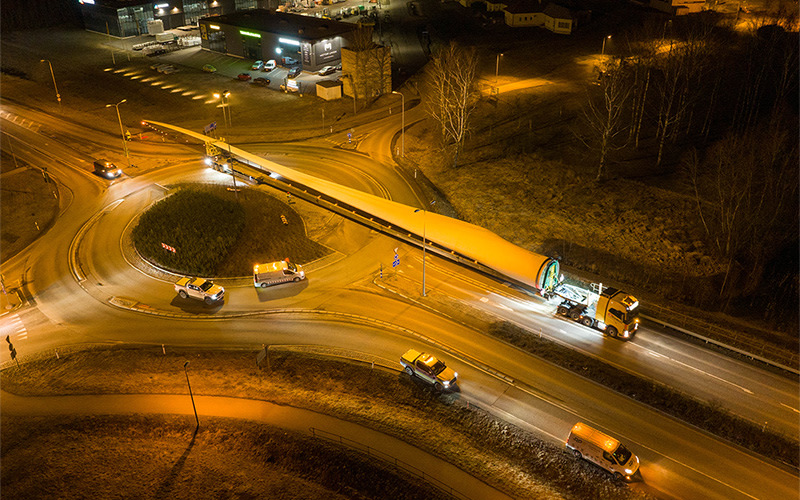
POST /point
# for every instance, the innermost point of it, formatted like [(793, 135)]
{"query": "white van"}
[(273, 273), (603, 450)]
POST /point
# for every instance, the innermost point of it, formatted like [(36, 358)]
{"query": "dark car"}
[(295, 71), (261, 82), (245, 77)]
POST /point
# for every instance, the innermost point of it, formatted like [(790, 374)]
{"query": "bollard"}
[(163, 351), (57, 357)]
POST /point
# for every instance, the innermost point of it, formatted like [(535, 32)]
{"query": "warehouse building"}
[(126, 18), (265, 34)]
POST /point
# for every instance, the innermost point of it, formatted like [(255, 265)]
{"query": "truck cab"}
[(605, 308)]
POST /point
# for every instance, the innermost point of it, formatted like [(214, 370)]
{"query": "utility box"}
[(329, 90), (155, 27)]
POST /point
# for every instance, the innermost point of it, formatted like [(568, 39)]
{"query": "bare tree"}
[(454, 93), (604, 111), (746, 194)]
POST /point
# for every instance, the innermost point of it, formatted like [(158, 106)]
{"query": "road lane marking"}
[(791, 408), (745, 389)]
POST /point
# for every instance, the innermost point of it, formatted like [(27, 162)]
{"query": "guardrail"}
[(728, 339), (386, 458)]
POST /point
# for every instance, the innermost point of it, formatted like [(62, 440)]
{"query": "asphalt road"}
[(344, 304)]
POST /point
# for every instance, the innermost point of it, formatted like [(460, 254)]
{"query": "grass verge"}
[(708, 417), (158, 457), (28, 205), (502, 455), (218, 232)]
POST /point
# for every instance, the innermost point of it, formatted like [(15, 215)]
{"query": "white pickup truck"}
[(429, 369), (199, 288)]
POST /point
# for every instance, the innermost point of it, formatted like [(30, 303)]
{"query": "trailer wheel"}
[(611, 331), (575, 315), (183, 294), (562, 310), (587, 321), (409, 371)]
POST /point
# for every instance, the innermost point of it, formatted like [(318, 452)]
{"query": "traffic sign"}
[(396, 261)]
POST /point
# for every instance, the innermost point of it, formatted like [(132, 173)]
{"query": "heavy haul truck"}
[(605, 308)]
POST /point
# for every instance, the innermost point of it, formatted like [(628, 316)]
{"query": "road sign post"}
[(12, 350)]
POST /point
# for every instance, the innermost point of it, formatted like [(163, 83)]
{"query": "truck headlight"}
[(446, 383), (628, 472), (626, 334)]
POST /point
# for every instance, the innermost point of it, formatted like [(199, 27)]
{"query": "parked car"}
[(106, 169), (326, 70), (257, 65), (261, 82), (158, 66), (294, 72), (245, 77), (338, 67), (429, 369), (209, 68), (270, 65), (199, 288), (168, 69)]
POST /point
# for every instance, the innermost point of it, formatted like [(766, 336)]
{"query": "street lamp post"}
[(186, 371), (497, 68), (58, 96), (424, 228), (121, 131), (402, 122), (223, 97), (603, 51)]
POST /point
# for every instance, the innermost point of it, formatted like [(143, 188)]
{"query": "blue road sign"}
[(396, 261), (210, 127)]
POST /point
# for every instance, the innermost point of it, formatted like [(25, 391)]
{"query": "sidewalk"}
[(286, 417)]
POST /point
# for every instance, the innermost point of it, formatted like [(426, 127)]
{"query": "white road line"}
[(745, 389), (791, 408)]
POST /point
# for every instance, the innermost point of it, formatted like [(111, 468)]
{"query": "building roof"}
[(557, 11), (524, 7), (283, 23)]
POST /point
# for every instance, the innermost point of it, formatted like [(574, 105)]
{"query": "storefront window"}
[(194, 10), (246, 4)]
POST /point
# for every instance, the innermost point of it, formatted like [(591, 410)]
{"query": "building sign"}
[(250, 33), (306, 51), (328, 51)]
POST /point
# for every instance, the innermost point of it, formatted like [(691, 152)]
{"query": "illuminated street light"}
[(423, 244), (186, 371), (58, 96), (497, 68), (121, 131), (223, 97), (604, 45), (402, 123)]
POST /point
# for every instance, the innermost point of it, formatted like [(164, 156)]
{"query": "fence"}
[(386, 458)]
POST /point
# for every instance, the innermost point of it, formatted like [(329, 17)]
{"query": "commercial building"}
[(266, 34), (126, 18)]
